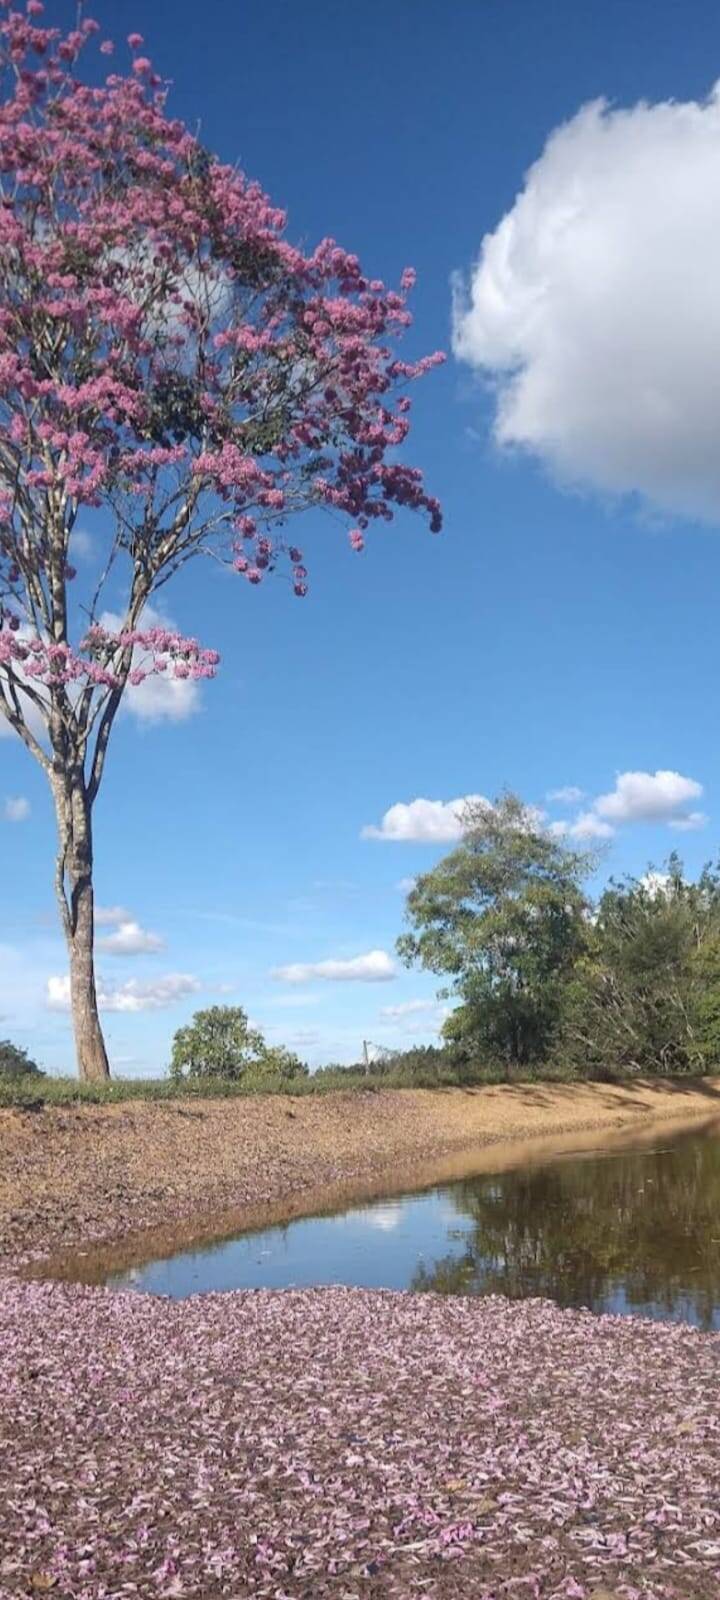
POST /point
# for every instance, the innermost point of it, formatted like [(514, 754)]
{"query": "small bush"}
[(16, 1063), (219, 1043)]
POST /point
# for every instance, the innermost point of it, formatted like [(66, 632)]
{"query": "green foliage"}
[(646, 996), (280, 1065), (504, 916), (548, 984), (219, 1043), (15, 1062), (31, 1093), (430, 1068)]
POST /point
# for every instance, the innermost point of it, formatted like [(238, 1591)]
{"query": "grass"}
[(417, 1070)]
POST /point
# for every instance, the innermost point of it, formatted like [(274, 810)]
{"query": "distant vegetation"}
[(545, 977), (219, 1043), (549, 984), (15, 1063)]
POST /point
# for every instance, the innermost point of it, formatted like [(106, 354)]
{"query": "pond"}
[(629, 1227)]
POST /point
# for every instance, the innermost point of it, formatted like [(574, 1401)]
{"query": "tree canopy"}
[(16, 1063), (170, 360), (219, 1043), (646, 995), (629, 984), (504, 916)]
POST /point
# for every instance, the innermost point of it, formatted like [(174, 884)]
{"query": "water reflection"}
[(639, 1231), (627, 1228)]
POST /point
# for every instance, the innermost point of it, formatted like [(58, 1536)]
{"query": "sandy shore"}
[(69, 1176)]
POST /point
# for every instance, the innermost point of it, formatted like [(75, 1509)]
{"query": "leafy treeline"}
[(542, 974)]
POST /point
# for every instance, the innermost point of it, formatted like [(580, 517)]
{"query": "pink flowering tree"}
[(169, 360)]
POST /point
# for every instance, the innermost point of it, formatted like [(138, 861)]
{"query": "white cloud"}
[(130, 996), (129, 939), (424, 821), (406, 885), (593, 307), (111, 916), (585, 826), (656, 797), (690, 822), (375, 967), (566, 796), (655, 883), (408, 1008), (16, 808), (650, 797), (160, 697)]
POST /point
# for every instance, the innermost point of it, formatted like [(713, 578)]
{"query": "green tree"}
[(504, 915), (16, 1063), (219, 1043), (646, 996)]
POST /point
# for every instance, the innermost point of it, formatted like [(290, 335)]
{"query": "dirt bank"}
[(71, 1175)]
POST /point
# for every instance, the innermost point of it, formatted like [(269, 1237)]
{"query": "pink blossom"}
[(209, 377)]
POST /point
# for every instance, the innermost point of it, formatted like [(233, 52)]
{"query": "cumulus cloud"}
[(406, 885), (593, 307), (424, 821), (661, 796), (110, 916), (16, 808), (566, 796), (129, 939), (375, 967), (586, 826), (689, 823), (161, 697), (130, 996)]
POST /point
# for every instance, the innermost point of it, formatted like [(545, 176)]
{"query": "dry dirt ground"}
[(72, 1175)]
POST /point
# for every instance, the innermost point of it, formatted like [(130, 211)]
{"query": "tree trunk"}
[(74, 888), (89, 1043)]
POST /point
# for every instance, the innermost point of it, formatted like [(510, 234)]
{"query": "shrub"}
[(220, 1044), (16, 1063)]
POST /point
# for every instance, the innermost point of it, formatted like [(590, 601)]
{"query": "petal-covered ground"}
[(347, 1443)]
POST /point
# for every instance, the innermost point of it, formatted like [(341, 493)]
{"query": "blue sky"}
[(563, 628)]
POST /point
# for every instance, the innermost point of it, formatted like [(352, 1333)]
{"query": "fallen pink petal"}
[(344, 1442)]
